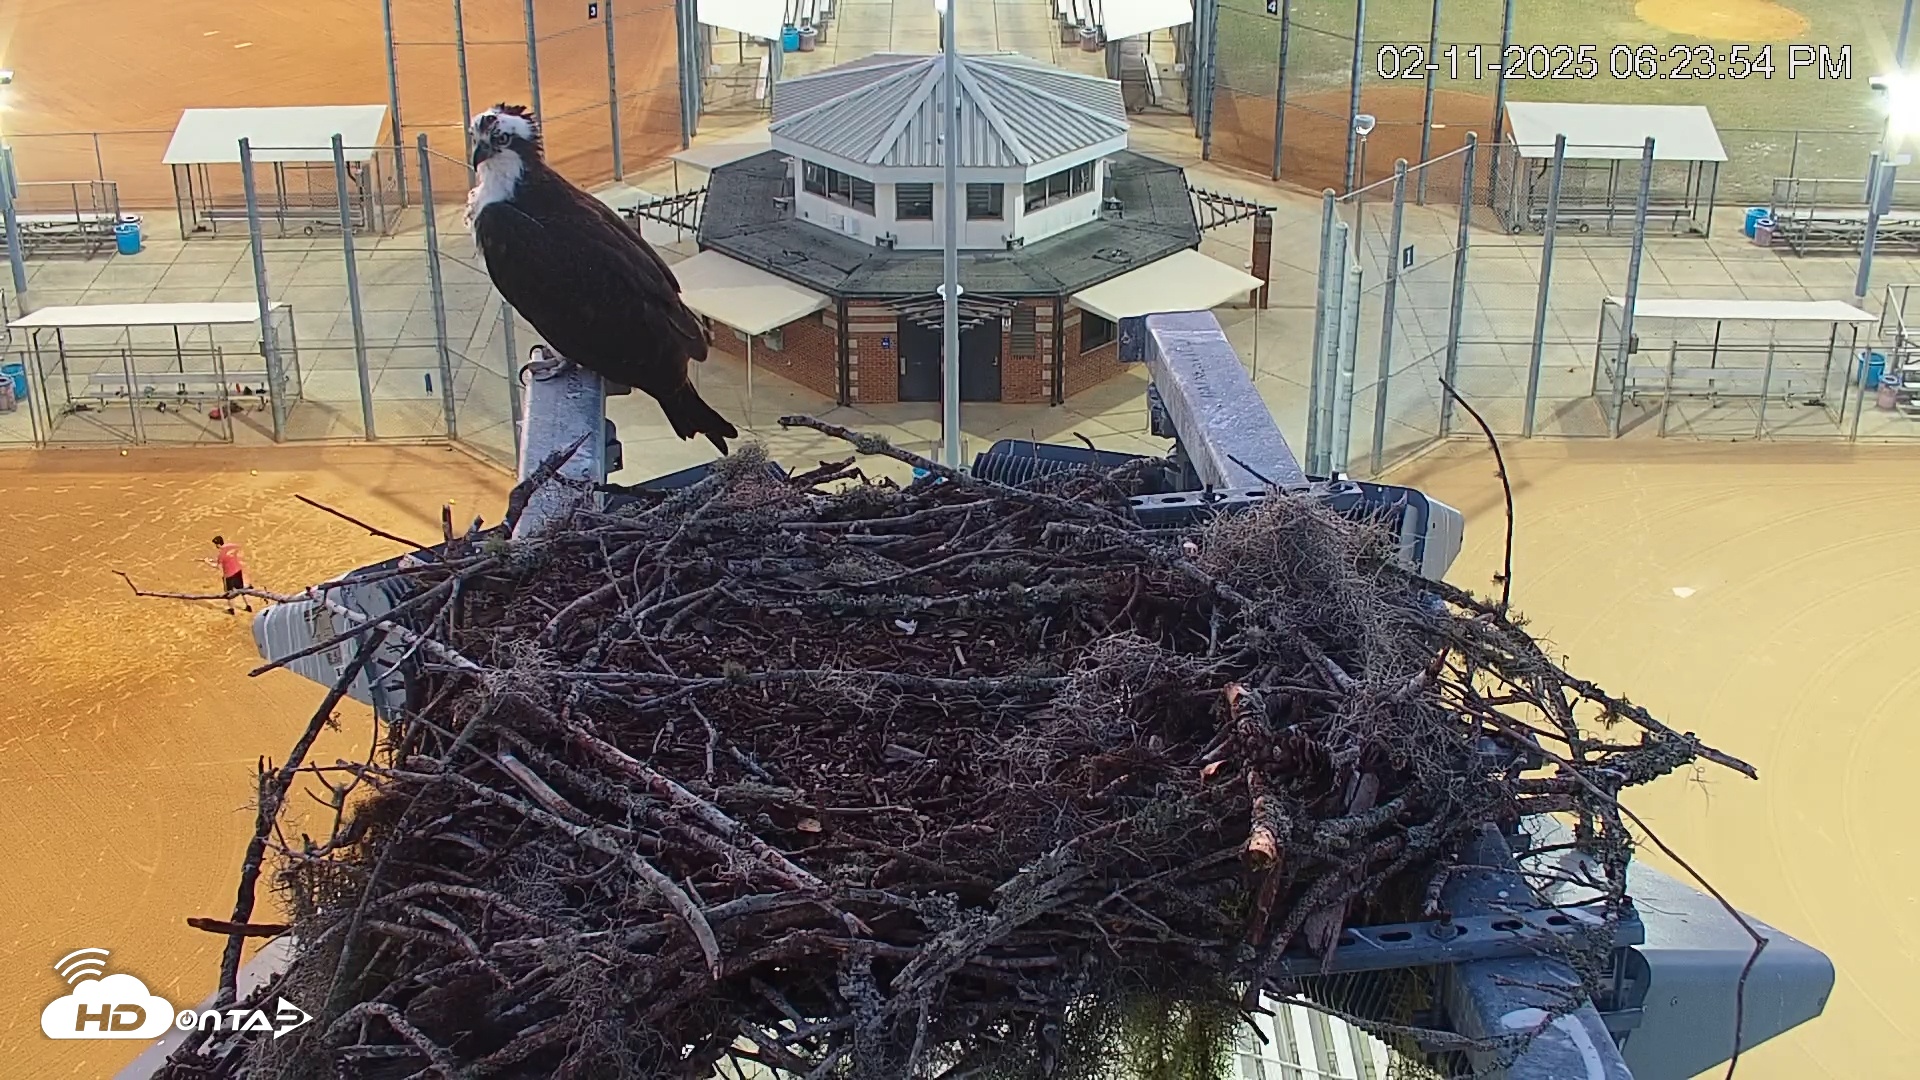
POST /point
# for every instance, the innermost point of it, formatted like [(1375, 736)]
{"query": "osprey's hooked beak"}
[(482, 150)]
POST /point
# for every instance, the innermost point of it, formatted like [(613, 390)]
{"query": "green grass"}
[(1757, 116)]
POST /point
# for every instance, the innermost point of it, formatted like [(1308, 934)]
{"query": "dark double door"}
[(920, 349)]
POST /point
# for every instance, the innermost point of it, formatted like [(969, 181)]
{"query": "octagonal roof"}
[(884, 111)]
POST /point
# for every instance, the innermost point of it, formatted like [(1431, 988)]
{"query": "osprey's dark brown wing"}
[(690, 330), (593, 292)]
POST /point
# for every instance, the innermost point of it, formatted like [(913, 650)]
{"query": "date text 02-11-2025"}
[(1642, 62)]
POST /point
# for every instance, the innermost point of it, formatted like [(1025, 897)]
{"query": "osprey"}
[(597, 292)]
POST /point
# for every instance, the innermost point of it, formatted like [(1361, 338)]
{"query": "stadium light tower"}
[(950, 246), (1899, 97)]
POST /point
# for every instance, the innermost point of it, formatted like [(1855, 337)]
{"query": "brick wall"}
[(1029, 379), (875, 368), (809, 352), (1088, 369)]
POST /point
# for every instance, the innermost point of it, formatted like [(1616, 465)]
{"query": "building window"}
[(1026, 340), (1094, 331), (835, 186), (1061, 186), (986, 202), (913, 202)]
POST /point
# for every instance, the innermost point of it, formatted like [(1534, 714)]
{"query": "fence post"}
[(533, 64), (1499, 103), (466, 89), (1386, 319), (1457, 311), (438, 290), (1353, 91), (393, 102), (613, 94), (1316, 377), (513, 375), (1880, 176), (353, 289), (687, 58), (1328, 362), (1349, 346), (1551, 227), (16, 255), (276, 370), (1623, 351), (1426, 105), (1280, 86)]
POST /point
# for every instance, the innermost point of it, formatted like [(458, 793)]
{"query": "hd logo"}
[(119, 1006)]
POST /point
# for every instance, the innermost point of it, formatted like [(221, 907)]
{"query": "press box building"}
[(821, 254)]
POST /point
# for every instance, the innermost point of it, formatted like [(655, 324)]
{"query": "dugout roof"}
[(1131, 18), (1616, 132), (1824, 311), (74, 316), (754, 18), (744, 297), (293, 133)]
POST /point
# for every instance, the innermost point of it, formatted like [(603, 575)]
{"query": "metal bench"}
[(65, 216), (163, 389)]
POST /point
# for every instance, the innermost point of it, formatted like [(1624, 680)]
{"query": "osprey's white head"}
[(504, 139)]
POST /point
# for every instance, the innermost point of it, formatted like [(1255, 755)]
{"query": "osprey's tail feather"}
[(692, 416)]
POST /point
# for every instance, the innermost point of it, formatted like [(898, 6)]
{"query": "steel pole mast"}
[(950, 245)]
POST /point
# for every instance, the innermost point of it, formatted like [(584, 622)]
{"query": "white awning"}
[(1183, 281), (712, 155), (1131, 18), (78, 315), (1616, 132), (744, 297), (296, 133), (754, 18), (1826, 311)]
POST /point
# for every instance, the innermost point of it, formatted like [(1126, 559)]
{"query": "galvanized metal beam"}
[(559, 411), (1226, 432)]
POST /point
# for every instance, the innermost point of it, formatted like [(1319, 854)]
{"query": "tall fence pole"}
[(1900, 44), (393, 101), (1343, 382), (354, 311), (687, 67), (1457, 310), (613, 94), (466, 88), (513, 375), (1552, 227), (1322, 290), (1353, 91), (533, 63), (1280, 86), (1623, 350), (1880, 173), (1329, 362), (438, 290), (1499, 105), (1386, 319), (1426, 105), (269, 347), (16, 255)]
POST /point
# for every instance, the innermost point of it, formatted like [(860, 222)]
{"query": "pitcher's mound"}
[(1724, 20)]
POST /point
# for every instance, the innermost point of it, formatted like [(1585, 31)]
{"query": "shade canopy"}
[(712, 155), (1815, 311), (295, 133), (1617, 132), (754, 18), (1183, 281), (74, 316), (744, 297), (1131, 18)]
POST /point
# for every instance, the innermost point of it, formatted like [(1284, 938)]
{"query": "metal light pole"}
[(950, 247)]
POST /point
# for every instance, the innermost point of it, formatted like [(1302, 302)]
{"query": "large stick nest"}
[(855, 781)]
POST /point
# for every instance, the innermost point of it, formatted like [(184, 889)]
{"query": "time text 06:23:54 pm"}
[(1639, 62)]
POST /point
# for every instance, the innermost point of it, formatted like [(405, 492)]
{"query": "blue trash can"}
[(790, 39), (1873, 365), (126, 235), (1754, 214), (16, 374)]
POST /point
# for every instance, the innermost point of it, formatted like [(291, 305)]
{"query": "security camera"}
[(6, 78), (1363, 124)]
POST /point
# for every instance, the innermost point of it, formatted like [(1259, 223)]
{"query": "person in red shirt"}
[(232, 571)]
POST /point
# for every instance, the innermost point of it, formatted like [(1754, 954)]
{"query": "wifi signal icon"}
[(81, 964)]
